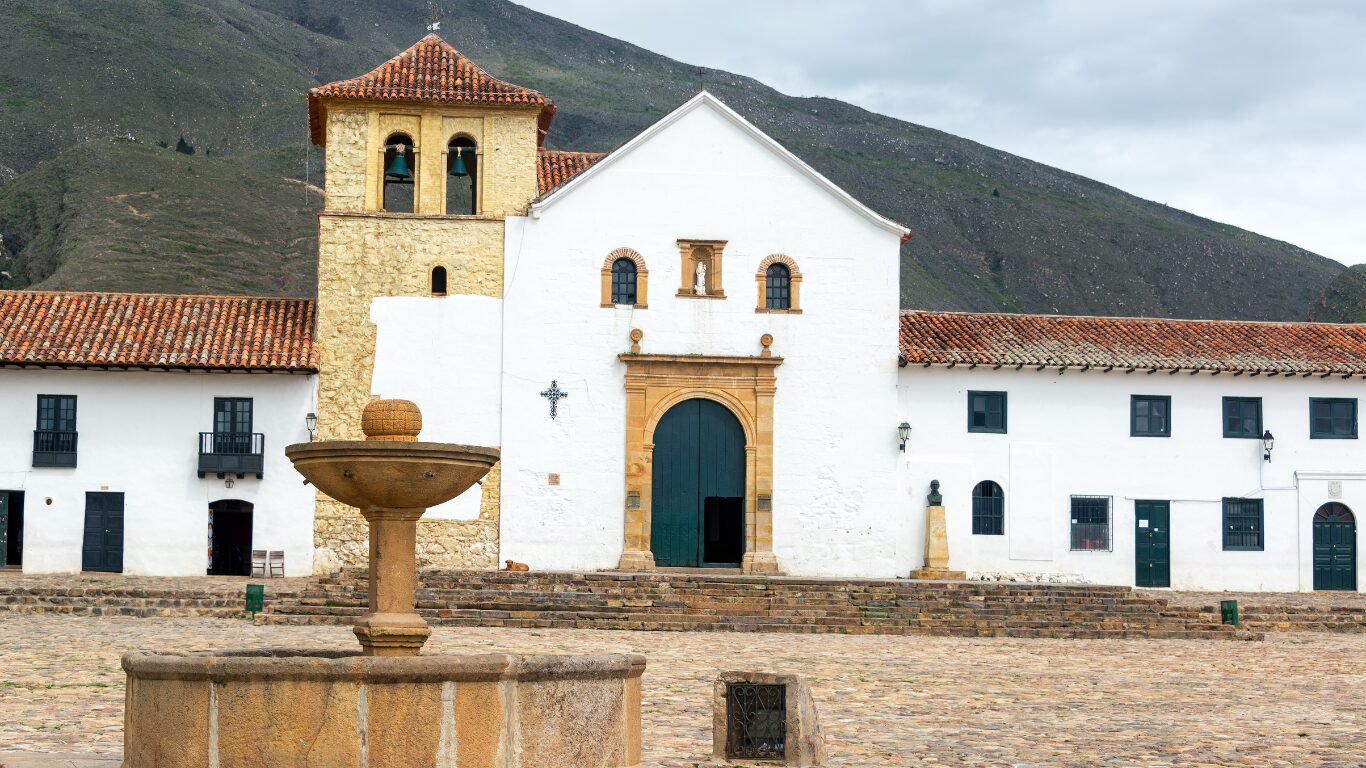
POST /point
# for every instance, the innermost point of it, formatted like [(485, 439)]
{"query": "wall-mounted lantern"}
[(311, 423), (1268, 440), (228, 483), (903, 433)]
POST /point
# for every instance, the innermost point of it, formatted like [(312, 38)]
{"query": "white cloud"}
[(1251, 112)]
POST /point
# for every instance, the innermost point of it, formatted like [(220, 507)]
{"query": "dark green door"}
[(102, 549), (1152, 543), (1335, 547), (698, 481)]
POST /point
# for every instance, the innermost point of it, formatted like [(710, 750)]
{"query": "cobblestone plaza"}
[(1295, 699)]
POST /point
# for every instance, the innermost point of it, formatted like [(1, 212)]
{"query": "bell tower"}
[(425, 156)]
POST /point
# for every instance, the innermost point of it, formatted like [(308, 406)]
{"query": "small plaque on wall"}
[(633, 499), (765, 502), (554, 478)]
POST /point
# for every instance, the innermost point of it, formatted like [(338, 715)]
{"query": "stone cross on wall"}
[(554, 394)]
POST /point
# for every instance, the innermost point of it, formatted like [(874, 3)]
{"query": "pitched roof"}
[(984, 338), (431, 71), (125, 330), (555, 167)]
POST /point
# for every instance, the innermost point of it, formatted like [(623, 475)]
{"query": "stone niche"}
[(803, 739), (288, 707)]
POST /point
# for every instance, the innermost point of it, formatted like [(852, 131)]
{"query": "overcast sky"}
[(1249, 112)]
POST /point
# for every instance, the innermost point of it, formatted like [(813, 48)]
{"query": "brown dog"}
[(513, 565)]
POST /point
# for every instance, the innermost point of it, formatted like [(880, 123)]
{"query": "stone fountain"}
[(387, 706)]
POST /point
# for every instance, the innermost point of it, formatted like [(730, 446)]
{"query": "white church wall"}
[(138, 434), (837, 510), (445, 354), (1070, 435)]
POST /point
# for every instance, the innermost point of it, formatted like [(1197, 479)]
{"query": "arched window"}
[(400, 174), (462, 176), (623, 281), (778, 287), (438, 281), (988, 509)]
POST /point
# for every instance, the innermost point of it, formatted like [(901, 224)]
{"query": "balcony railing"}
[(54, 448), (231, 453)]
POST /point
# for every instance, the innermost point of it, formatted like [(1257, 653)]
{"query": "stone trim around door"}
[(745, 386)]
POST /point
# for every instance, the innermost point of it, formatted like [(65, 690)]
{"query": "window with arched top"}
[(438, 281), (625, 280), (400, 174), (779, 283), (462, 177), (988, 509)]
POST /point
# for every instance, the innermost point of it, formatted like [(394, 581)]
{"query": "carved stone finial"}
[(397, 421), (636, 336), (767, 341), (935, 499)]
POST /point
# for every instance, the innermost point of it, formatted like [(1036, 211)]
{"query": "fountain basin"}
[(371, 474), (286, 707)]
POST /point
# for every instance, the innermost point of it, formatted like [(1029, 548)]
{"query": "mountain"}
[(1344, 300), (225, 78)]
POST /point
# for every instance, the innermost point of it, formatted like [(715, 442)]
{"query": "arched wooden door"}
[(698, 487), (1335, 547)]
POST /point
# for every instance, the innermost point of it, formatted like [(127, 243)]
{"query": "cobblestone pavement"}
[(1293, 700)]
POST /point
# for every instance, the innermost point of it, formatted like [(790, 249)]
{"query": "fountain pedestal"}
[(392, 626)]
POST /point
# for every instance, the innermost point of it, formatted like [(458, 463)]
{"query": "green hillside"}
[(993, 231)]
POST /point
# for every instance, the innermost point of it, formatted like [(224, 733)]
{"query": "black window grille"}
[(1333, 418), (987, 412), (1243, 417), (1244, 525), (1091, 522), (624, 281), (1150, 416), (988, 509), (756, 717), (778, 287)]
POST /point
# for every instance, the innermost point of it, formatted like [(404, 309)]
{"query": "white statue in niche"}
[(699, 287)]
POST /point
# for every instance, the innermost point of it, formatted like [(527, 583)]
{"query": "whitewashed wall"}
[(835, 497), (1069, 434), (139, 435)]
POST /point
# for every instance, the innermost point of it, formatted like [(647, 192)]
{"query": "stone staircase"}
[(132, 596), (704, 602)]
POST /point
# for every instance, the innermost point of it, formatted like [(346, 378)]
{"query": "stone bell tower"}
[(425, 156)]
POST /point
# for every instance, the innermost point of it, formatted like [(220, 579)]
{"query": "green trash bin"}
[(1228, 612), (256, 598)]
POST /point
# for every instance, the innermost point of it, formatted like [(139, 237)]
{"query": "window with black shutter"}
[(1243, 417), (1333, 418), (987, 412), (1244, 521), (1150, 416)]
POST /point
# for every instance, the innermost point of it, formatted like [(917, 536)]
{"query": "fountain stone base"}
[(286, 707)]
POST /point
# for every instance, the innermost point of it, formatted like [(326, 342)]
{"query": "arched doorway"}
[(1335, 547), (698, 487), (230, 538)]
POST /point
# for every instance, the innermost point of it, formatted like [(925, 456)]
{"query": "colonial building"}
[(144, 434), (691, 364)]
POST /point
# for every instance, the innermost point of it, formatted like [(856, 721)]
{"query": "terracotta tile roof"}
[(431, 71), (554, 167), (1131, 342), (156, 331)]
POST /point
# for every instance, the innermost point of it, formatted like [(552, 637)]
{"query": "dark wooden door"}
[(698, 486), (102, 549), (1152, 544), (1335, 548)]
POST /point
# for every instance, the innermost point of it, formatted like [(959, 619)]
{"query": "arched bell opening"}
[(462, 177), (400, 174)]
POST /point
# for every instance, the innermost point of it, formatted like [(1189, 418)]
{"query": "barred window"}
[(1244, 525), (1091, 523), (778, 287), (988, 509), (1333, 418), (624, 281)]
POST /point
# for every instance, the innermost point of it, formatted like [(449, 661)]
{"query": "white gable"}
[(699, 155)]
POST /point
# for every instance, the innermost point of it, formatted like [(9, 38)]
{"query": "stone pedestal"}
[(936, 541), (765, 563), (392, 626), (636, 560)]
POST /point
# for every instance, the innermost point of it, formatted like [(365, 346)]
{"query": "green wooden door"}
[(1335, 548), (1152, 544), (698, 486)]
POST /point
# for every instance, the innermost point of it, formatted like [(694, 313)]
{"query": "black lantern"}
[(903, 433), (311, 424), (1268, 440)]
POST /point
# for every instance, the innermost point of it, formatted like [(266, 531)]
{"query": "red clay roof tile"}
[(555, 167), (431, 71), (1131, 342), (156, 331)]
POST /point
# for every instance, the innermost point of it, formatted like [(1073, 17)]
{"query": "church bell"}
[(398, 167), (458, 164)]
